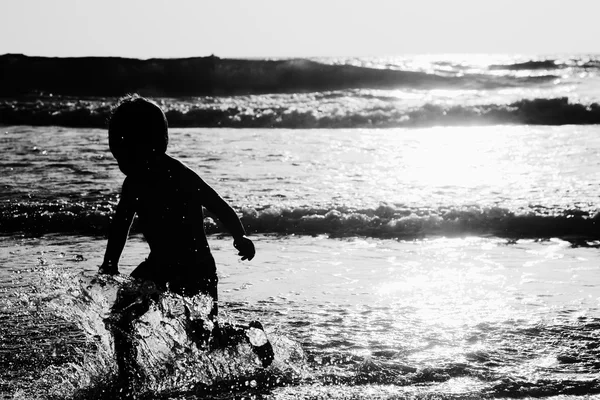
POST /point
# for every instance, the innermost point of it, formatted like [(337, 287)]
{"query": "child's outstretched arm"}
[(218, 206), (119, 230)]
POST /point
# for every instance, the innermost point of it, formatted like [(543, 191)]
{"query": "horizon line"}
[(437, 54)]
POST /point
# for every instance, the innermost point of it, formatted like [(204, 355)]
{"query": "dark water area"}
[(210, 76), (305, 93), (245, 113)]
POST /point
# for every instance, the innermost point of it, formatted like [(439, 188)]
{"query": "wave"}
[(385, 221), (549, 64), (214, 76), (529, 65), (247, 113), (388, 221)]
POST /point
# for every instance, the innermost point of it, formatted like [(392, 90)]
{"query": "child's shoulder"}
[(182, 170), (178, 165)]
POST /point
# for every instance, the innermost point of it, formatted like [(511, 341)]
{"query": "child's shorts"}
[(184, 279)]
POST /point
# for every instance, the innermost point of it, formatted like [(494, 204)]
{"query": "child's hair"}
[(141, 121)]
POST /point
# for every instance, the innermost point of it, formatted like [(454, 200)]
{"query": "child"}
[(167, 197)]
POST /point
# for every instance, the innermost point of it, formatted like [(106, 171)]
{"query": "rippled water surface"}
[(468, 316), (512, 166), (420, 304)]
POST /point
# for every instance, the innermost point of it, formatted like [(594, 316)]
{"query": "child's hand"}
[(109, 268), (245, 248)]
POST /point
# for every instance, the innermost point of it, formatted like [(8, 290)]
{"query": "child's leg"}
[(230, 335), (221, 335), (131, 304), (199, 330), (224, 335)]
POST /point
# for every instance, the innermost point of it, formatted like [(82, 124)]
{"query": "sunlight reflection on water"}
[(472, 304)]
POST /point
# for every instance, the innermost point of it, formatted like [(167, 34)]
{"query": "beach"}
[(411, 243)]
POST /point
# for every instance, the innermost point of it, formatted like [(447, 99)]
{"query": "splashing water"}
[(446, 318), (169, 361)]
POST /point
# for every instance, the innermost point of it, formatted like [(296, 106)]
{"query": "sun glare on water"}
[(458, 157), (456, 287)]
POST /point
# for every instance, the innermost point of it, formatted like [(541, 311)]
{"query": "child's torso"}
[(170, 214)]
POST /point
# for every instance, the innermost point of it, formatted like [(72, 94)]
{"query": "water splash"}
[(169, 361)]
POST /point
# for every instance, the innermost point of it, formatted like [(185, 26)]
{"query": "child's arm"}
[(218, 206), (119, 230), (245, 247)]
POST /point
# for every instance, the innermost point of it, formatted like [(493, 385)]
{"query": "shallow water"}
[(375, 318), (431, 263)]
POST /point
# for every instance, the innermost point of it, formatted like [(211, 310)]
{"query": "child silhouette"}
[(168, 198)]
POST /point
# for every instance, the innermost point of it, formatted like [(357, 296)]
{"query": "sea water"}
[(448, 262), (329, 92)]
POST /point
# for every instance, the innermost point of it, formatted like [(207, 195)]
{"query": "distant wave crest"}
[(214, 76), (299, 93), (529, 65)]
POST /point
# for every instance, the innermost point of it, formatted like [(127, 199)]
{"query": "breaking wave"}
[(266, 113), (210, 76), (385, 221)]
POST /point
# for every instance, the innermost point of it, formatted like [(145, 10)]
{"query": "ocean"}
[(426, 228)]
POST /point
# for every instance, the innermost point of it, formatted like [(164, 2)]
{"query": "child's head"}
[(137, 132)]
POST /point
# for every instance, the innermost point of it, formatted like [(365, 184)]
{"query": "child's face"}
[(132, 159)]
